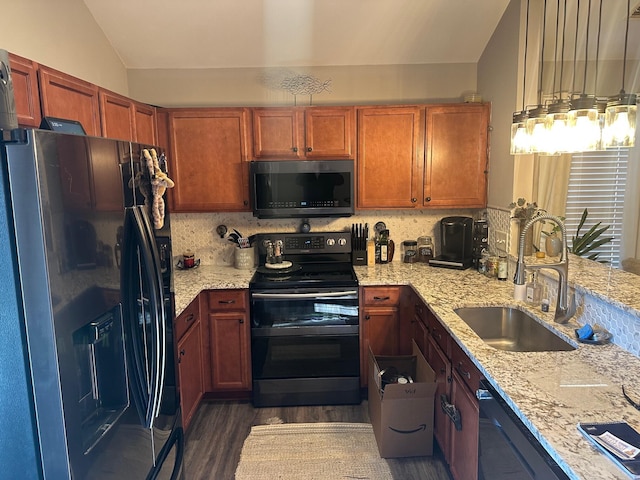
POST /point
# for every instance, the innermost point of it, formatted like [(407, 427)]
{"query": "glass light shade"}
[(620, 126), (520, 142), (584, 125), (559, 135), (538, 134)]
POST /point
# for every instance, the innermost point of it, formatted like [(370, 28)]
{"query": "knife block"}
[(358, 257)]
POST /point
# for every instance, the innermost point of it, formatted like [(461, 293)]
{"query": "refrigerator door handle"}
[(161, 329), (145, 312)]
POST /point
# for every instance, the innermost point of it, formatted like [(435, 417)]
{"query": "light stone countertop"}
[(550, 391)]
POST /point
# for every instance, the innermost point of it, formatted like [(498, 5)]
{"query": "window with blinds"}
[(597, 182)]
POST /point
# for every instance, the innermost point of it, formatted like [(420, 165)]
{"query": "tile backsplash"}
[(197, 231)]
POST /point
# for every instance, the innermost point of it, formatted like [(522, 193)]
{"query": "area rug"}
[(312, 451)]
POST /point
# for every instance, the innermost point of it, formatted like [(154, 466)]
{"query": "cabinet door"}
[(277, 133), (329, 132), (441, 422), (25, 90), (382, 327), (64, 96), (390, 149), (190, 372), (464, 443), (208, 149), (117, 116), (456, 156), (145, 124), (229, 343)]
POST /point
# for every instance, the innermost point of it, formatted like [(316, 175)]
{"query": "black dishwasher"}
[(507, 449)]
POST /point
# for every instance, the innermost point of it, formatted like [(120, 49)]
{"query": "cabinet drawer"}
[(439, 333), (388, 296), (227, 300), (188, 317), (465, 368)]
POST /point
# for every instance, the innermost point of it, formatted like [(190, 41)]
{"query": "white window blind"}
[(597, 182)]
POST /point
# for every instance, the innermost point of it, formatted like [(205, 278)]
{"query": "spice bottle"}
[(425, 249)]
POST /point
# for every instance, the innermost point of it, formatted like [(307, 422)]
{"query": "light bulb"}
[(620, 126), (585, 133)]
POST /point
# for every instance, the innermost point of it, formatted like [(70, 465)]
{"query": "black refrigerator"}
[(88, 384)]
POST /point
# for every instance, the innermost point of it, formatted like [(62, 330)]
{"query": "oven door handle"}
[(318, 295)]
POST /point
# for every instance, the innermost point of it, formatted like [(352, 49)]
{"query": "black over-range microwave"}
[(302, 188)]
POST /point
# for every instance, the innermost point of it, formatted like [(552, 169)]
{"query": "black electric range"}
[(320, 259)]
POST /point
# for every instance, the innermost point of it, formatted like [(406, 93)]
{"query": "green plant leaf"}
[(582, 245)]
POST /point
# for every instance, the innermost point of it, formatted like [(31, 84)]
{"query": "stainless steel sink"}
[(507, 328)]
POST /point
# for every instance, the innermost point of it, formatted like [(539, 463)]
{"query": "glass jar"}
[(425, 249), (409, 251), (492, 267), (503, 266)]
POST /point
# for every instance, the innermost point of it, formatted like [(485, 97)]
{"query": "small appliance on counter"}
[(456, 248)]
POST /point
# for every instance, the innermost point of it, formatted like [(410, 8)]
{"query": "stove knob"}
[(331, 242), (342, 241)]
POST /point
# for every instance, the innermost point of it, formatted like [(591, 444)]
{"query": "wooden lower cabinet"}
[(188, 330), (379, 324), (229, 341), (457, 380)]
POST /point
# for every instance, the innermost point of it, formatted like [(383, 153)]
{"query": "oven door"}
[(308, 308)]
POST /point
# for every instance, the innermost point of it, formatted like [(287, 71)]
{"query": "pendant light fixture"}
[(520, 141), (557, 119), (584, 117), (538, 134), (620, 118)]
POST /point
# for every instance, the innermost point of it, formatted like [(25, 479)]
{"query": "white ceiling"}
[(282, 33), (291, 33)]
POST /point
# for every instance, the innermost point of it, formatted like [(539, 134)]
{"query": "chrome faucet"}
[(565, 306)]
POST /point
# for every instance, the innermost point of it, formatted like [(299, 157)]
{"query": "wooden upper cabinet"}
[(117, 116), (329, 132), (456, 155), (299, 133), (209, 155), (25, 90), (126, 119), (390, 153), (64, 96), (145, 124)]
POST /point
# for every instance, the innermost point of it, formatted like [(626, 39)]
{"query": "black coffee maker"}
[(456, 243)]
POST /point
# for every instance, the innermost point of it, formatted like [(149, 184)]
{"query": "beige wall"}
[(63, 35), (498, 78), (348, 85)]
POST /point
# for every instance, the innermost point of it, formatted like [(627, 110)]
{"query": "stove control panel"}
[(307, 243)]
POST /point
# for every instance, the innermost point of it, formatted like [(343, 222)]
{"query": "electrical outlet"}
[(501, 240)]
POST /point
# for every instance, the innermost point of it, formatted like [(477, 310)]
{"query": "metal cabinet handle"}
[(294, 149), (436, 334), (414, 200), (463, 372), (226, 302), (451, 411), (182, 352), (428, 199), (309, 149), (367, 317), (241, 320), (380, 299), (189, 318)]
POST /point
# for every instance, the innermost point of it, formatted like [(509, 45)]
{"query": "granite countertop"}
[(550, 391)]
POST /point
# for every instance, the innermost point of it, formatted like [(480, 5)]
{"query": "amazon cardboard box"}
[(402, 414)]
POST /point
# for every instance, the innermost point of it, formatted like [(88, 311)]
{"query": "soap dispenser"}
[(534, 290)]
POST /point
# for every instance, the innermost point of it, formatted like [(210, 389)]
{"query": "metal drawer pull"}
[(462, 372), (226, 302), (452, 412), (381, 298), (189, 318)]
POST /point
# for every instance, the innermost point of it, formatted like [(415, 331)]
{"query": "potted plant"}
[(583, 245), (523, 212)]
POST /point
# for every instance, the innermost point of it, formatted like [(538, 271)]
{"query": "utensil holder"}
[(244, 258)]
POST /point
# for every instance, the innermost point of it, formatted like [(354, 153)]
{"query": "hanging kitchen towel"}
[(160, 181)]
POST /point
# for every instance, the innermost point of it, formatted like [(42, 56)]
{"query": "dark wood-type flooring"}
[(218, 430)]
